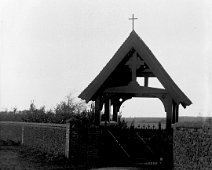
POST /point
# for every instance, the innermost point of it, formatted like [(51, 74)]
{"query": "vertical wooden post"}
[(107, 110), (177, 112), (168, 108), (115, 113), (159, 126), (173, 112), (97, 111), (169, 118), (146, 81)]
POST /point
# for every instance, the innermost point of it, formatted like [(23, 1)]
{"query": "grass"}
[(37, 158)]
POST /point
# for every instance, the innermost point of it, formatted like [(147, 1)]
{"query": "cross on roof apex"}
[(133, 18)]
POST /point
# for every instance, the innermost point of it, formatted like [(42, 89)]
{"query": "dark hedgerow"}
[(71, 108)]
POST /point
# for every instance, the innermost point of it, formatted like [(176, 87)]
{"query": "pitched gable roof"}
[(134, 41)]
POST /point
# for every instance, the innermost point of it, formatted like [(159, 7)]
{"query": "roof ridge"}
[(135, 41)]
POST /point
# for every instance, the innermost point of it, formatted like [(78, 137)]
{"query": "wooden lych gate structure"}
[(117, 82)]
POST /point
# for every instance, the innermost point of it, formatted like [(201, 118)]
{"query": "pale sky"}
[(50, 48)]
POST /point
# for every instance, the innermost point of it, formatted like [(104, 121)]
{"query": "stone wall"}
[(84, 145), (80, 145), (49, 138), (192, 146)]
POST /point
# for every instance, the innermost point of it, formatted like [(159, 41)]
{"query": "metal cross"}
[(133, 18)]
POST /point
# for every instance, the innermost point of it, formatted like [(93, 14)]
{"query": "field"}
[(149, 122)]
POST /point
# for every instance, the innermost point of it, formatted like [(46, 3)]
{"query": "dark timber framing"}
[(117, 82)]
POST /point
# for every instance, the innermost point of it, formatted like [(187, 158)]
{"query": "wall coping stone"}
[(34, 124), (192, 125)]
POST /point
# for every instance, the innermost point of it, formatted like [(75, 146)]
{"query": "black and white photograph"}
[(105, 85)]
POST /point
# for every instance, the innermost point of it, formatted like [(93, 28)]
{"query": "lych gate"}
[(117, 82)]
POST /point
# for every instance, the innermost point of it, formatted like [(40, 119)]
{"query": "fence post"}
[(67, 149), (22, 134)]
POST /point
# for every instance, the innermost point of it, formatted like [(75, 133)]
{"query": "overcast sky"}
[(50, 48)]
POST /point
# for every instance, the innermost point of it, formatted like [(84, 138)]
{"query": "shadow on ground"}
[(13, 156)]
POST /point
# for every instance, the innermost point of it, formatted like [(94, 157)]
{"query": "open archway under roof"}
[(118, 80)]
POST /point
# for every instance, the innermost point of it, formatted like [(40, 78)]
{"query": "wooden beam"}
[(146, 81), (173, 112), (167, 102), (169, 115), (177, 112), (135, 90), (97, 111), (145, 74), (115, 113), (107, 110)]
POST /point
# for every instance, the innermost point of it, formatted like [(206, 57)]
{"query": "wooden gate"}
[(145, 148)]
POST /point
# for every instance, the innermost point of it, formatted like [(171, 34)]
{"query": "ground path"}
[(11, 159), (14, 158)]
